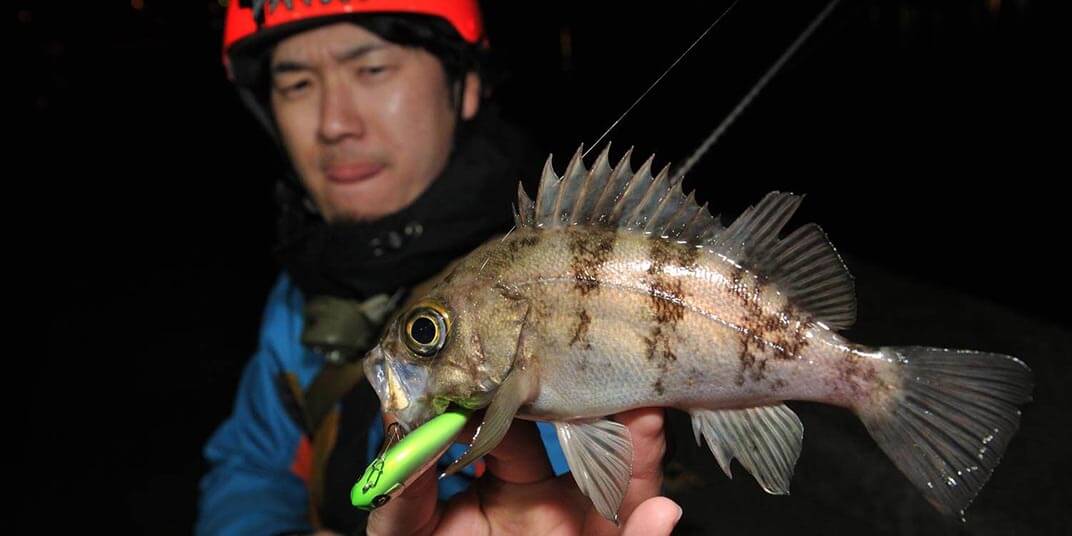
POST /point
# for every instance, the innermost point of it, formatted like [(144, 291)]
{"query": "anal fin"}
[(766, 440)]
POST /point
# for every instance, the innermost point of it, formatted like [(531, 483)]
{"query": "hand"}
[(519, 493)]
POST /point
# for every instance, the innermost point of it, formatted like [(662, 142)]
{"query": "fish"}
[(615, 290)]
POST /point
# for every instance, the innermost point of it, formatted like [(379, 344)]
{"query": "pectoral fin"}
[(600, 456), (515, 390), (766, 440)]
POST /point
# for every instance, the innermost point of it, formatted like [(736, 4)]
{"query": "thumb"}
[(656, 516)]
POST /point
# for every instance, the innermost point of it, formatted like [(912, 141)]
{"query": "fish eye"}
[(425, 329)]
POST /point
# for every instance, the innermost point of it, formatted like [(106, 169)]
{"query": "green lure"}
[(401, 460)]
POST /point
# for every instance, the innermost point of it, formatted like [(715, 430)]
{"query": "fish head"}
[(447, 348)]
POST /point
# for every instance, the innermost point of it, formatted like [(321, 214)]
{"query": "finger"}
[(646, 429), (414, 511), (654, 517), (520, 457)]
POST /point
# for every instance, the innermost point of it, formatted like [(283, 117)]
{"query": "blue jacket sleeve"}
[(250, 488)]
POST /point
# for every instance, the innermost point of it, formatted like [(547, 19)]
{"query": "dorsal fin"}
[(612, 192), (592, 189), (615, 196), (804, 264)]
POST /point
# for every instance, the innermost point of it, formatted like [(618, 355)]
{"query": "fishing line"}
[(657, 80), (717, 133)]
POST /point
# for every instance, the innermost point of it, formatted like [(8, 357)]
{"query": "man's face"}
[(368, 124)]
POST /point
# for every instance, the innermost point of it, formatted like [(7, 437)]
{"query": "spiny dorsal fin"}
[(612, 192), (804, 264), (594, 184), (546, 196), (615, 197), (525, 216)]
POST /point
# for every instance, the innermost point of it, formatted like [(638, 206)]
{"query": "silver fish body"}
[(666, 324), (616, 291)]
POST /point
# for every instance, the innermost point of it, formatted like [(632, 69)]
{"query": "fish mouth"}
[(400, 387)]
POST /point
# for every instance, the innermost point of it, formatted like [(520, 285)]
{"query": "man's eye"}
[(294, 89), (373, 71)]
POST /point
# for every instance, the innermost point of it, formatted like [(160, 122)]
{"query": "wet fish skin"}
[(617, 292), (664, 324)]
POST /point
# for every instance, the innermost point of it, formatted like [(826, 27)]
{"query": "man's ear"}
[(470, 96)]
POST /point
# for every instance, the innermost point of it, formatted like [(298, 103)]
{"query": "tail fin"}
[(948, 426)]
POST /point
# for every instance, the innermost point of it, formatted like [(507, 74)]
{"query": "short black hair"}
[(433, 34)]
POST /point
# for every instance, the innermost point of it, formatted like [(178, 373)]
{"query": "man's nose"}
[(340, 116)]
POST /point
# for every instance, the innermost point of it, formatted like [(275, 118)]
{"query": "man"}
[(399, 168)]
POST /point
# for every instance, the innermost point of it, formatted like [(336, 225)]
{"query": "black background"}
[(926, 135)]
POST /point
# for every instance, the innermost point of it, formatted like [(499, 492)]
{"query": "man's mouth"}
[(352, 172)]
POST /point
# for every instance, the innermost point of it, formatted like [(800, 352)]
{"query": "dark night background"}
[(926, 135)]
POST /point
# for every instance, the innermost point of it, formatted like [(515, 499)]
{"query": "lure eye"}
[(425, 330)]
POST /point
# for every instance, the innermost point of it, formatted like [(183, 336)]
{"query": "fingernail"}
[(680, 512)]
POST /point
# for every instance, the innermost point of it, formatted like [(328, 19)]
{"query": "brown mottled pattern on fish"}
[(590, 250), (667, 302), (580, 336), (765, 333), (516, 246)]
